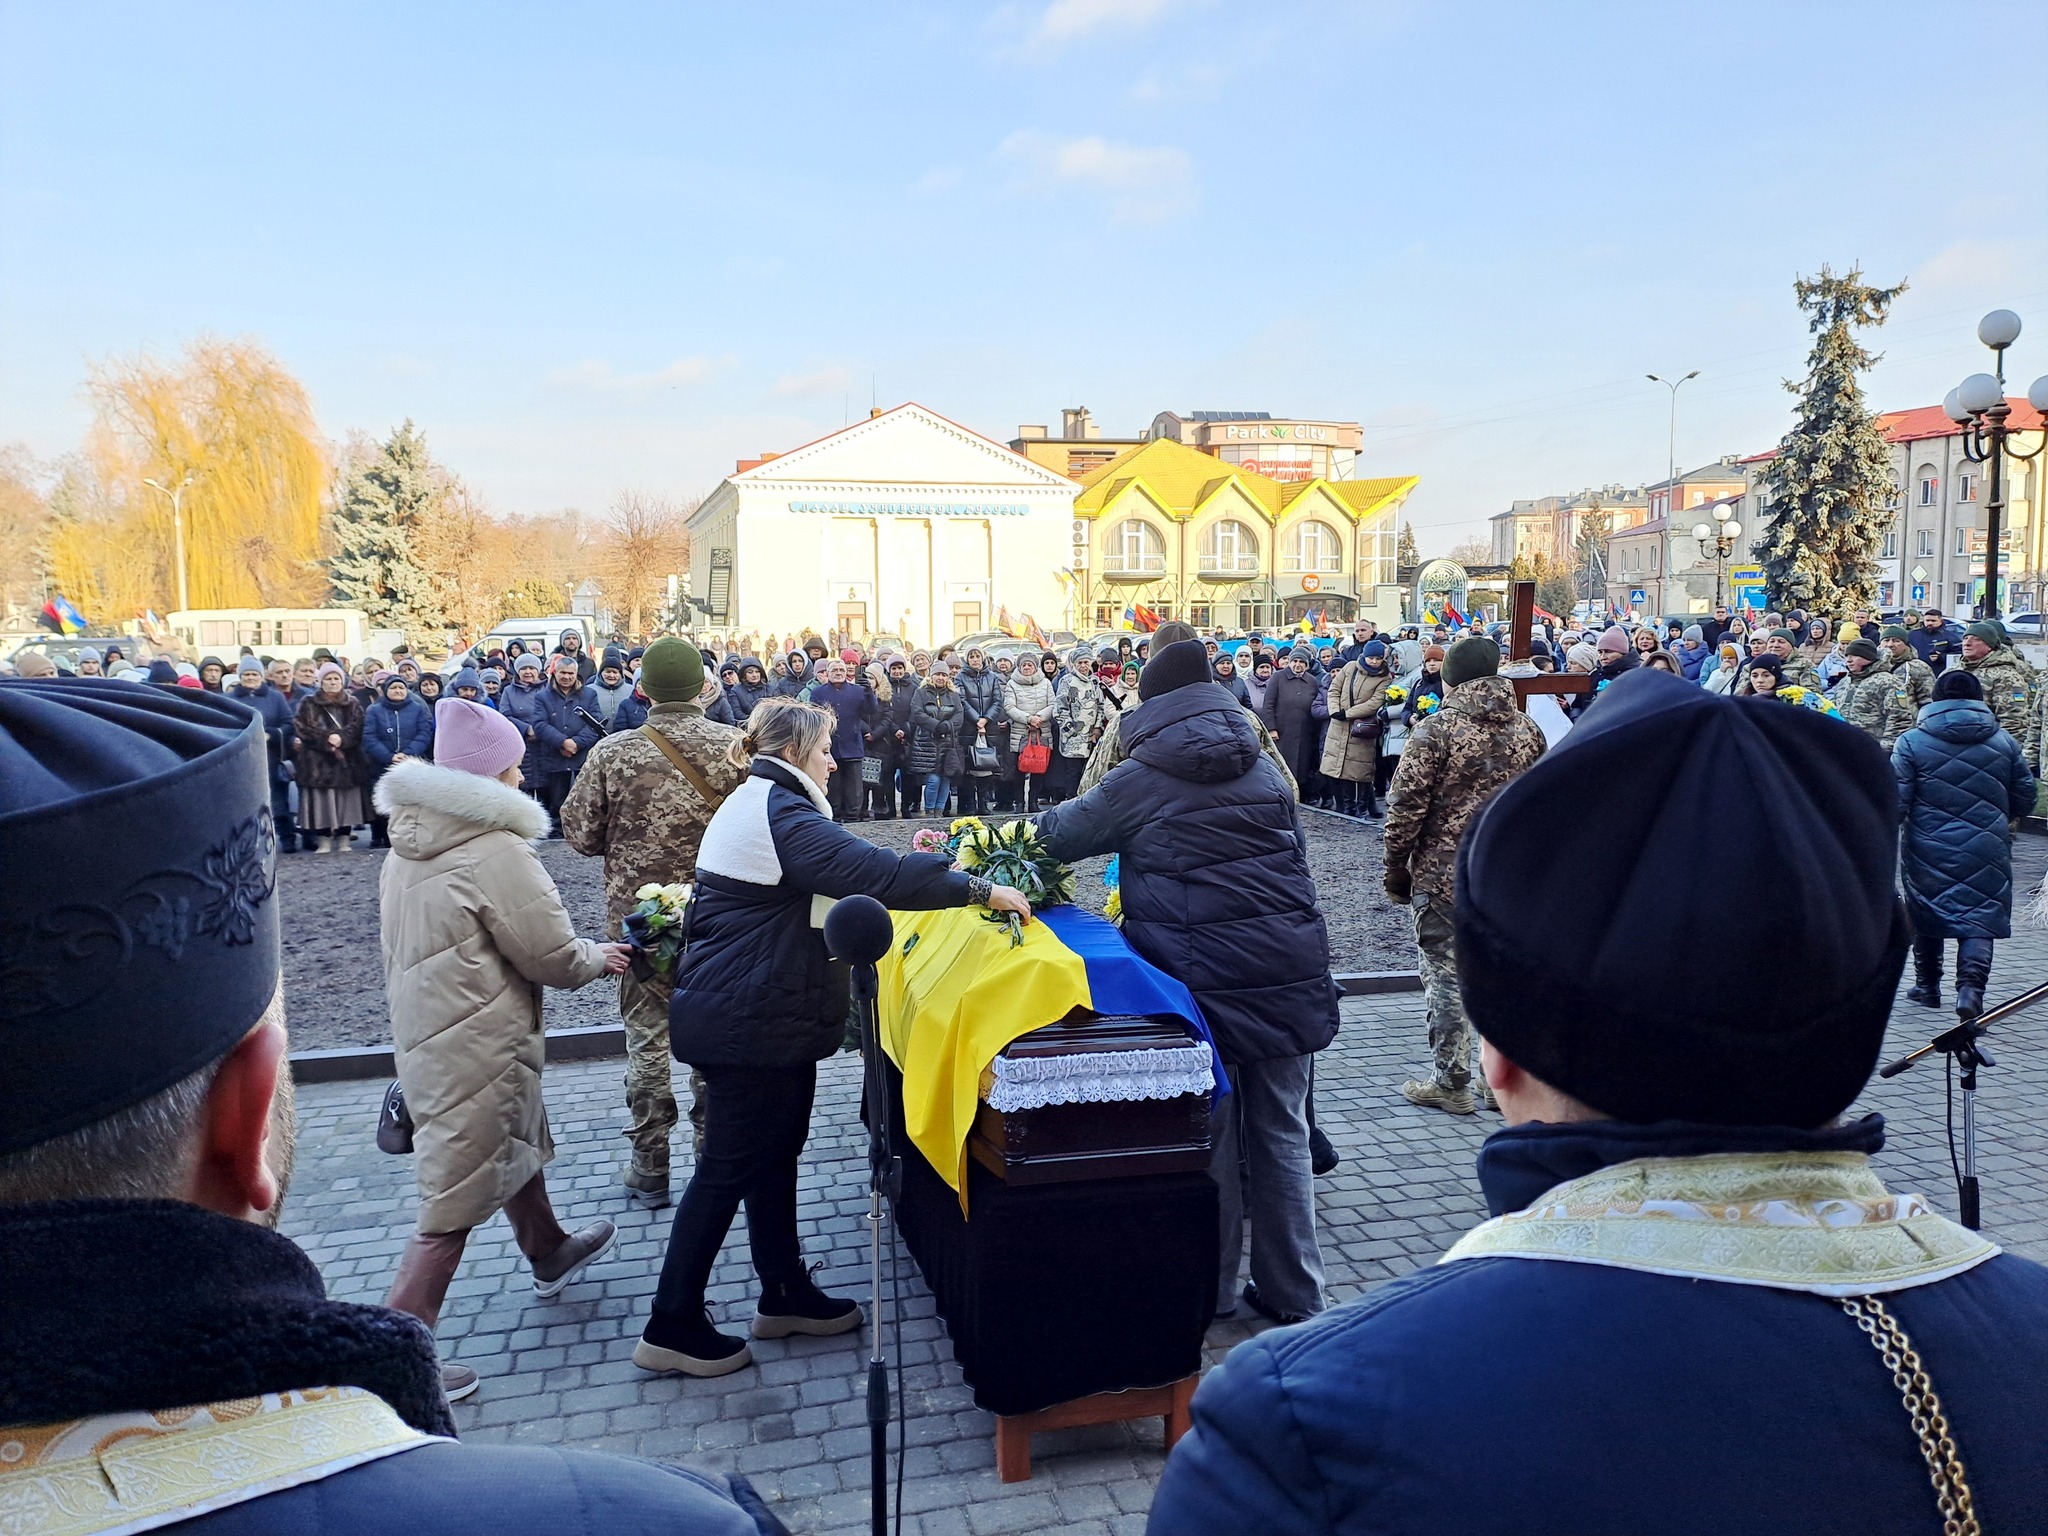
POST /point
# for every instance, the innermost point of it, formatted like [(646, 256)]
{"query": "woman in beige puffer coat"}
[(473, 929)]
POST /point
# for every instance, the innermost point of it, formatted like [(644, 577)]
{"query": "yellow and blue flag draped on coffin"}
[(955, 992)]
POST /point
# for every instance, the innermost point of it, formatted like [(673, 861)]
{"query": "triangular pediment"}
[(906, 446)]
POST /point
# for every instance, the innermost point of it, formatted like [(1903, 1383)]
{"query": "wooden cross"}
[(1521, 620)]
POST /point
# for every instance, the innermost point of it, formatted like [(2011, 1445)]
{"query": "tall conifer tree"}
[(1831, 482), (385, 505)]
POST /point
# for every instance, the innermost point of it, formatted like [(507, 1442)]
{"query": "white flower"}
[(647, 892)]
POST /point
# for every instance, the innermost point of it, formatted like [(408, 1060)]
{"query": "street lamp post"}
[(176, 496), (1671, 444), (1718, 541), (1978, 405)]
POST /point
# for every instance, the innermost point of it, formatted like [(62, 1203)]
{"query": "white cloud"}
[(596, 374), (805, 386), (1192, 82), (1065, 21), (941, 178), (1143, 185)]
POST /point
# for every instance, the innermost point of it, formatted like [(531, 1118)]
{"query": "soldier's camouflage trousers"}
[(1450, 1032), (650, 1097)]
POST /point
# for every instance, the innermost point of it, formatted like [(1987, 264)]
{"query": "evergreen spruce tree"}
[(1406, 555), (384, 505), (1831, 481)]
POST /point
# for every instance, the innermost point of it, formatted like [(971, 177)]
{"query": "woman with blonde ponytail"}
[(757, 1005)]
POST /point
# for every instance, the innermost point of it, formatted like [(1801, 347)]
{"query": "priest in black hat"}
[(165, 1356), (1696, 1310)]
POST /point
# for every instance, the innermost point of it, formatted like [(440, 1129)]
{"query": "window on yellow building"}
[(1229, 548), (1314, 546), (1134, 549)]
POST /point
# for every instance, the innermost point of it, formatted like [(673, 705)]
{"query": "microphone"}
[(858, 930)]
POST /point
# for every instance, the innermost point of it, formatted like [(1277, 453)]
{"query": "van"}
[(293, 633), (543, 634)]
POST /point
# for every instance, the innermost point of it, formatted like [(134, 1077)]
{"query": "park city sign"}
[(1267, 431)]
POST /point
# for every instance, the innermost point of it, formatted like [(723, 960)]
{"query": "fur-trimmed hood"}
[(432, 809)]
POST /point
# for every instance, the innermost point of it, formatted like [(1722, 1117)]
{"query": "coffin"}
[(1094, 1097)]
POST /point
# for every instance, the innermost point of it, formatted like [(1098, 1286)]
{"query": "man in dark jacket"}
[(151, 1317), (559, 732), (256, 690), (571, 645), (1217, 893), (1936, 639), (1691, 1262)]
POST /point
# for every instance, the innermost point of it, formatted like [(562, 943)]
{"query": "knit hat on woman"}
[(474, 738), (1612, 641)]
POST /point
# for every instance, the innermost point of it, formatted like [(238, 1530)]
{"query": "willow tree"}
[(229, 423), (1831, 481)]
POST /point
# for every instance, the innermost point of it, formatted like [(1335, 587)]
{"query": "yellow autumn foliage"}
[(227, 414)]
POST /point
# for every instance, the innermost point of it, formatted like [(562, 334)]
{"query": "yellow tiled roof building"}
[(1176, 530)]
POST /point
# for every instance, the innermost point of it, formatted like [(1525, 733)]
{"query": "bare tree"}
[(641, 543)]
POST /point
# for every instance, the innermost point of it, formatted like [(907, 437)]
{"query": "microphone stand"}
[(885, 1177), (1964, 1044)]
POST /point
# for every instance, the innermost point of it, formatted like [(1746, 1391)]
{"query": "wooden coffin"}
[(1062, 1143)]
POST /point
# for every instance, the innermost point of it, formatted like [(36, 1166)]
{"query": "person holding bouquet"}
[(757, 1005)]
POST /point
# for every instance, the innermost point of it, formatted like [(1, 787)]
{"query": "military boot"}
[(1427, 1093)]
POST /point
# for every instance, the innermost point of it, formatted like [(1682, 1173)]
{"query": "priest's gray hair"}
[(146, 1151), (143, 1152)]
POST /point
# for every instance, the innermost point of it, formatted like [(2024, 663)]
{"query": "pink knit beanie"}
[(1612, 642), (475, 738)]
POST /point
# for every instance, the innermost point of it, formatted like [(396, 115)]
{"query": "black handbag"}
[(394, 1121), (1367, 729), (981, 757)]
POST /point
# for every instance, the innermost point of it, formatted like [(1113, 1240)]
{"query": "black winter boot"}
[(1973, 973), (1926, 988), (803, 1308)]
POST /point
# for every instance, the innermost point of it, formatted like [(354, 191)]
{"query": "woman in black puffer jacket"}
[(756, 1007), (888, 729), (937, 753)]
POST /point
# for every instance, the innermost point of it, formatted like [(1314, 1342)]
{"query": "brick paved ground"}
[(559, 1371)]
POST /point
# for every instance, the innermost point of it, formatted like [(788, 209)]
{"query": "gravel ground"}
[(334, 978)]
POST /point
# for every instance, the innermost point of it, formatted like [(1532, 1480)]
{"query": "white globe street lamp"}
[(1979, 406)]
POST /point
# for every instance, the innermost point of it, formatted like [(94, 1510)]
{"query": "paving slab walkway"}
[(559, 1371)]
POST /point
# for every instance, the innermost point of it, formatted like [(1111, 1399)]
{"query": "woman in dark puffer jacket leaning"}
[(756, 1008)]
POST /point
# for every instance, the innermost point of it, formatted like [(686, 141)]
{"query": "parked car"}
[(2027, 626), (64, 649)]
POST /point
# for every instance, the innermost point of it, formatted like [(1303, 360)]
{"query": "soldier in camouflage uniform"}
[(1905, 663), (1873, 698), (1455, 761), (2007, 681), (635, 808)]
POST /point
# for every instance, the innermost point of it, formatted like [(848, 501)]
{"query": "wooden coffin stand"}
[(1089, 1222)]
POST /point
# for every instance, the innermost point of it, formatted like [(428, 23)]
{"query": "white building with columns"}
[(905, 524)]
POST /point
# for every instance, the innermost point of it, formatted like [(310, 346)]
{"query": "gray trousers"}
[(1265, 1120)]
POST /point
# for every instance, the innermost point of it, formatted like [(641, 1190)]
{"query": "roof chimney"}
[(1074, 423)]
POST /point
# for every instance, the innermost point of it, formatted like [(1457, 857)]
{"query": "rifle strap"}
[(683, 765)]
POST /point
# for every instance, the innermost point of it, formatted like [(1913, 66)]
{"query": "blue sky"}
[(597, 248)]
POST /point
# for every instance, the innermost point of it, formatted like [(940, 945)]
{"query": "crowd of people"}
[(145, 1148)]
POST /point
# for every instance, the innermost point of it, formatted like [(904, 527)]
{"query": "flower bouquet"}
[(1395, 696), (1007, 855), (1112, 877), (1808, 698), (655, 930), (1428, 704)]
